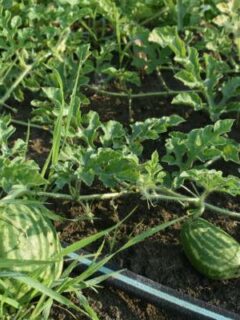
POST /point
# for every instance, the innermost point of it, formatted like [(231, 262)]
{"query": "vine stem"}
[(180, 13), (9, 108), (138, 95), (101, 196), (210, 162), (32, 125), (114, 195), (222, 211), (172, 198), (20, 78), (25, 72)]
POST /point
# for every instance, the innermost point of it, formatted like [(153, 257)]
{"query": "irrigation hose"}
[(155, 293)]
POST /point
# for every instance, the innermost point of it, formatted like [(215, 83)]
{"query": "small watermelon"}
[(211, 250), (27, 234)]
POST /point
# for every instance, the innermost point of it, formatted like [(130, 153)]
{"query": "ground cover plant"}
[(69, 71)]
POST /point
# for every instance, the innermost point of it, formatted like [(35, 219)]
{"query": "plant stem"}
[(84, 24), (16, 83), (32, 125), (211, 104), (20, 78), (138, 95), (172, 198), (207, 205), (222, 211), (210, 162), (10, 108), (103, 196), (169, 68), (114, 195), (170, 192), (154, 16), (180, 13)]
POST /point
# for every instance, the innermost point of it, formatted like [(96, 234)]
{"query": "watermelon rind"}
[(26, 233), (211, 250)]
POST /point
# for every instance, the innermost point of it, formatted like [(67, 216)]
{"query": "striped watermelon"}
[(27, 234), (211, 250)]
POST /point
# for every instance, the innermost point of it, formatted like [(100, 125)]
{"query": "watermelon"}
[(211, 250), (27, 234)]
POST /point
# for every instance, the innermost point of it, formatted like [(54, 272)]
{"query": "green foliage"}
[(191, 75), (123, 76), (152, 174), (201, 147), (212, 180), (228, 19), (15, 169), (110, 153)]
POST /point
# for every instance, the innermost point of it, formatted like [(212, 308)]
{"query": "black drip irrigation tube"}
[(155, 293)]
